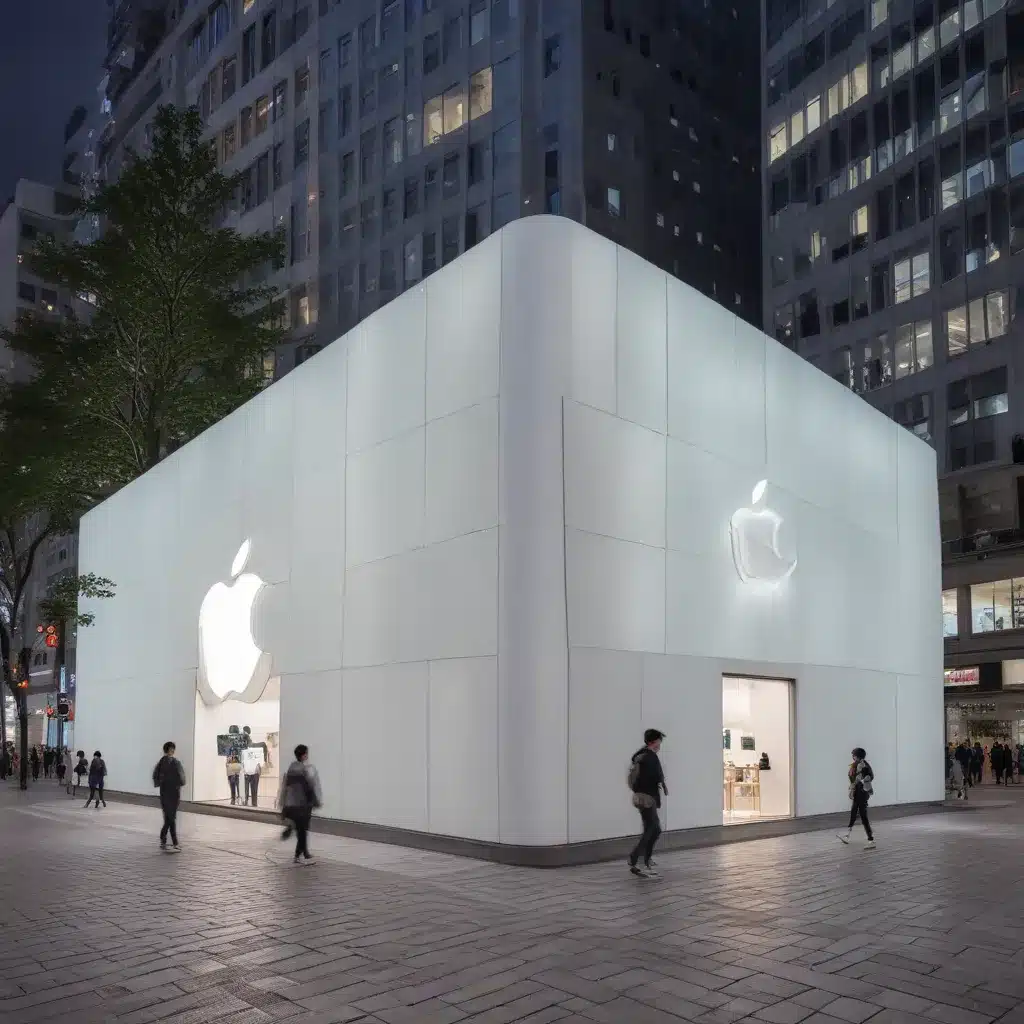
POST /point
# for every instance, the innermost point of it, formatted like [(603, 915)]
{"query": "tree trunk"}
[(23, 742), (24, 660)]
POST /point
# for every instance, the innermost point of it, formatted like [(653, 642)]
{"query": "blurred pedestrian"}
[(81, 770), (299, 796), (97, 774)]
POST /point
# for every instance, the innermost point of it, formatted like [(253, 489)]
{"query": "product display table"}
[(742, 788)]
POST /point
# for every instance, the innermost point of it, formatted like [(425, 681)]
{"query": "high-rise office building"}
[(894, 206), (384, 137)]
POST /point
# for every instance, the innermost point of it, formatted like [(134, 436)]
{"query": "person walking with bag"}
[(169, 777), (862, 778), (298, 798), (81, 769), (646, 779), (97, 773)]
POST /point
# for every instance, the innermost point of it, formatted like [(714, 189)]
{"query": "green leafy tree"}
[(179, 328), (176, 336), (33, 507)]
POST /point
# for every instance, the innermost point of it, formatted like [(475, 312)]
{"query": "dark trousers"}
[(95, 793), (252, 786), (169, 806), (652, 829), (860, 806), (233, 786), (299, 820)]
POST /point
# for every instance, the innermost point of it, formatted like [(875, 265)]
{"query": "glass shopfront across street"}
[(757, 749)]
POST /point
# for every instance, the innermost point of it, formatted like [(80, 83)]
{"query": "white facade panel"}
[(508, 522)]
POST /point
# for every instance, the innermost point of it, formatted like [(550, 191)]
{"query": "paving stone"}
[(789, 930), (853, 1010), (787, 1012)]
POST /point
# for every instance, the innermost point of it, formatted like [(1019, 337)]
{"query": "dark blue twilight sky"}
[(51, 53)]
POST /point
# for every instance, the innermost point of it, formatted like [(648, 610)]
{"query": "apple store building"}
[(545, 499)]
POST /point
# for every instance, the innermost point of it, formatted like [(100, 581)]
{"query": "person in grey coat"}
[(299, 796)]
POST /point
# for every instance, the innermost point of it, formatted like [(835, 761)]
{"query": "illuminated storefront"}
[(540, 501)]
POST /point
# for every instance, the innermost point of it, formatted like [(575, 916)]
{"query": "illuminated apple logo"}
[(230, 663), (755, 542)]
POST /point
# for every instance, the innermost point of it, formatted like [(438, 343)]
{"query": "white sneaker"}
[(845, 840), (651, 868), (870, 845)]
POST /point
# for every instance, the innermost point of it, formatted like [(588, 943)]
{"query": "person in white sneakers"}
[(862, 780)]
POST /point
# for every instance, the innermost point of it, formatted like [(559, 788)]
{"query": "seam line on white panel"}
[(498, 600), (565, 608)]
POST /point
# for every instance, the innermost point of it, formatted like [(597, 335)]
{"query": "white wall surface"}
[(501, 612)]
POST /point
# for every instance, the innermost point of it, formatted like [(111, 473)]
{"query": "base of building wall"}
[(567, 854)]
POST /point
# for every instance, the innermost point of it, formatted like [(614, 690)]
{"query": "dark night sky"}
[(50, 57)]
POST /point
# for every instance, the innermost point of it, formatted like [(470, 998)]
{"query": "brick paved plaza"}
[(97, 925)]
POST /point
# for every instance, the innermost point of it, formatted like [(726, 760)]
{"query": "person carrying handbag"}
[(646, 780)]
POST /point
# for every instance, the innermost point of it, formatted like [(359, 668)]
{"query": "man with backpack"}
[(646, 780), (169, 777)]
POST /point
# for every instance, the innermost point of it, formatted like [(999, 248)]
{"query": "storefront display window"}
[(949, 623), (997, 606), (756, 749), (237, 756)]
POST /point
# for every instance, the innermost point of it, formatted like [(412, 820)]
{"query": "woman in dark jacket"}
[(97, 773)]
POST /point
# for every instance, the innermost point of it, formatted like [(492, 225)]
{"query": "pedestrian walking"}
[(97, 773), (957, 779), (234, 767), (5, 764), (977, 761), (33, 758), (996, 760), (963, 756), (169, 777), (861, 778), (646, 779), (299, 796), (81, 770), (61, 769)]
